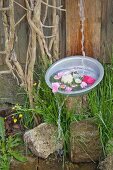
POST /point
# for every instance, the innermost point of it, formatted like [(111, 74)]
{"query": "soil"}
[(11, 127), (51, 163)]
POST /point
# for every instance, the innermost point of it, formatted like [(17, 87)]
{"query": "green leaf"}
[(2, 129), (13, 142), (18, 156)]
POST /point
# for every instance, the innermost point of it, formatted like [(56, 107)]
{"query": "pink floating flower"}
[(55, 87), (60, 74), (88, 79), (83, 85), (68, 89), (56, 77)]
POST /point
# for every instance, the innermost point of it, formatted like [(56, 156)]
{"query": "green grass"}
[(100, 102), (47, 106), (8, 148)]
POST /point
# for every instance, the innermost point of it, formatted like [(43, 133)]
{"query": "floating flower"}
[(68, 89), (78, 81), (88, 79), (62, 86), (74, 85), (60, 74), (55, 87), (56, 77), (83, 85), (15, 120), (20, 115), (68, 78)]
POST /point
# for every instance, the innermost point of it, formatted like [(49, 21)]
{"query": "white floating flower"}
[(68, 78), (78, 81)]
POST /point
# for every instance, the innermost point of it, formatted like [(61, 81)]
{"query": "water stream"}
[(82, 19), (60, 106)]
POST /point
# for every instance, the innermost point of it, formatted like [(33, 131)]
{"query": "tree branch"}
[(2, 52), (51, 6), (5, 9), (45, 14), (18, 22), (20, 5), (47, 26), (6, 72)]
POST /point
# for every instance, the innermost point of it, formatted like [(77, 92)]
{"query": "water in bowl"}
[(74, 79)]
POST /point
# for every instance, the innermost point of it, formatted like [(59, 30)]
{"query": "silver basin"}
[(86, 65)]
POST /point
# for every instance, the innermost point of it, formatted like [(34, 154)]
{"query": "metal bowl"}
[(84, 65)]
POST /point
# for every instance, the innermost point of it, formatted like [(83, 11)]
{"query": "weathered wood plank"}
[(62, 31), (92, 27), (107, 29), (22, 32)]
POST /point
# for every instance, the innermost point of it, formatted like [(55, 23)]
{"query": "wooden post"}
[(92, 27), (106, 29), (92, 35), (98, 28)]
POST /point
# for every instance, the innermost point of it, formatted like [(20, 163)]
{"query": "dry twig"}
[(48, 44)]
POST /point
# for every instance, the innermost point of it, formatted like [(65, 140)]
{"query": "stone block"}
[(85, 145)]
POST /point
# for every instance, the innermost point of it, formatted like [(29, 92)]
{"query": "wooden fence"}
[(98, 29)]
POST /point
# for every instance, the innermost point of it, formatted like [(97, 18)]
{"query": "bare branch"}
[(54, 42), (6, 72), (45, 14), (28, 6), (17, 66), (2, 52), (5, 9), (47, 26), (20, 5), (51, 6), (51, 36), (18, 22), (31, 23)]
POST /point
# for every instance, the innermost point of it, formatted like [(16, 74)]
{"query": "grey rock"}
[(107, 164), (85, 145), (10, 91), (42, 140)]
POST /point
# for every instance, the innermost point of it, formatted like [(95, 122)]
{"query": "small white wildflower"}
[(68, 78)]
